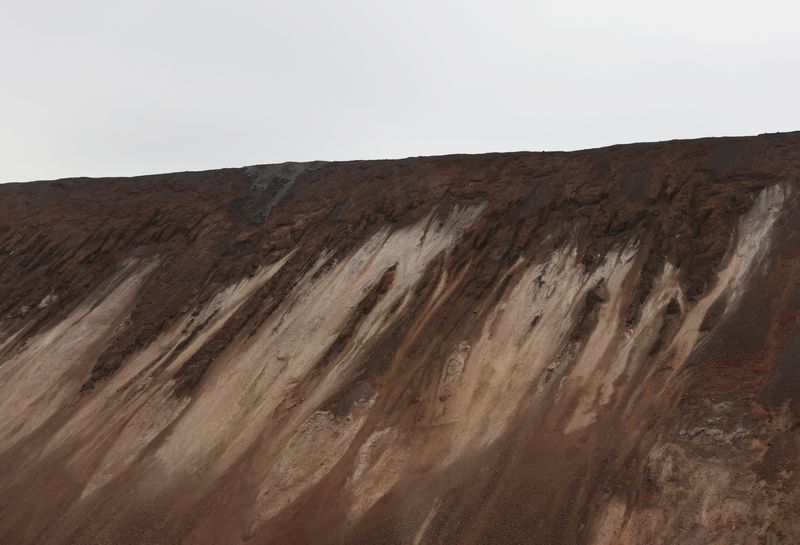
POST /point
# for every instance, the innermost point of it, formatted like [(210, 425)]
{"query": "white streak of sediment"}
[(47, 374), (753, 242), (308, 456), (153, 406), (380, 464), (624, 353), (604, 356), (507, 361), (236, 403), (418, 537)]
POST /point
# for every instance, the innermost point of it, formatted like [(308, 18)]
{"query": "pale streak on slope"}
[(481, 387), (412, 249), (148, 405), (382, 461), (130, 385), (10, 340), (309, 454), (753, 242), (611, 351), (522, 345), (47, 373), (708, 487), (434, 510), (623, 353), (235, 406), (379, 465)]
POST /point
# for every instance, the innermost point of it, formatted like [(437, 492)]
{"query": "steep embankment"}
[(591, 347)]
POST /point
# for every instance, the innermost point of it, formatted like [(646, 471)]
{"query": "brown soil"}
[(588, 347)]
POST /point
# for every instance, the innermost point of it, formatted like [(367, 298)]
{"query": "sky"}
[(120, 88)]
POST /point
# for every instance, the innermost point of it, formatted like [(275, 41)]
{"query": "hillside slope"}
[(597, 347)]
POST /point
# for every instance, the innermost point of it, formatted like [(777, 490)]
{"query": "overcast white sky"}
[(104, 87)]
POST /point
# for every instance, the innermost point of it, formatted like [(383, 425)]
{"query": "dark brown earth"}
[(556, 348)]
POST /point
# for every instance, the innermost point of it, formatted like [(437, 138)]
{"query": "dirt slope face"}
[(595, 347)]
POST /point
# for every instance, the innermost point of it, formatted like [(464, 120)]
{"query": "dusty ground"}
[(544, 348)]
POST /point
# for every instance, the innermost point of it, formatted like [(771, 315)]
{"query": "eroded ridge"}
[(594, 347)]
